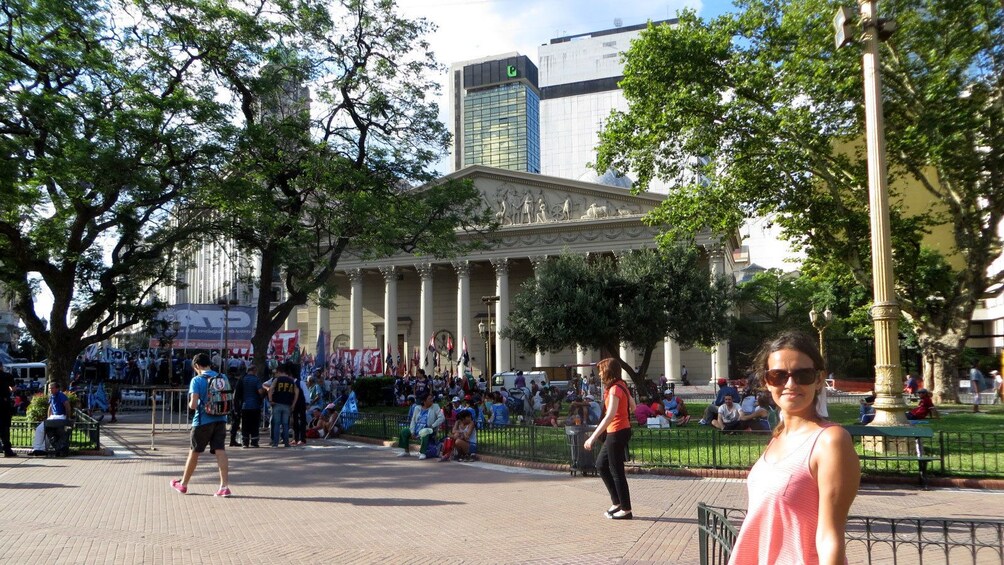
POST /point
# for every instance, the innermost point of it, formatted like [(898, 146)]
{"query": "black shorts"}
[(214, 435)]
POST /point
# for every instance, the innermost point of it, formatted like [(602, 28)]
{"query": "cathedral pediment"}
[(527, 200)]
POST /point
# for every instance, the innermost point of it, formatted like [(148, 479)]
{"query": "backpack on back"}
[(219, 396)]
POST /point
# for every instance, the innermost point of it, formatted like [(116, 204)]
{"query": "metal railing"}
[(960, 454), (168, 412), (871, 541), (86, 434), (715, 534)]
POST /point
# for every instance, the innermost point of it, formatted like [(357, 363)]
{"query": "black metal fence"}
[(871, 541), (86, 435), (959, 454)]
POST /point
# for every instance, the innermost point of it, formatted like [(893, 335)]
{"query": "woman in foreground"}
[(801, 489)]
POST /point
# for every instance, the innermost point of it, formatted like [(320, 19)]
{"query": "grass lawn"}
[(971, 444)]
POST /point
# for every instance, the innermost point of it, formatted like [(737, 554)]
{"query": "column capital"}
[(389, 273), (463, 268), (539, 261), (501, 265), (355, 275), (424, 270)]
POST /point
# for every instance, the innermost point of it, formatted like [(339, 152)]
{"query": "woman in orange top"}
[(617, 425)]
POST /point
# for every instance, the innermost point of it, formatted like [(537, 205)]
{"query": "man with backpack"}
[(209, 396)]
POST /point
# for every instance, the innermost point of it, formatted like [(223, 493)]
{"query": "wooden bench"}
[(908, 433)]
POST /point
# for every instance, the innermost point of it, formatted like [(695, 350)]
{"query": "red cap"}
[(722, 381)]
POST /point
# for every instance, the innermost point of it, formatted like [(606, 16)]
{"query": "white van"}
[(507, 380)]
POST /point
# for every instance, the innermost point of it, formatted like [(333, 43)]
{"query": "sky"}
[(468, 29)]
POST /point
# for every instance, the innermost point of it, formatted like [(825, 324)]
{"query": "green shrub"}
[(38, 408), (369, 390)]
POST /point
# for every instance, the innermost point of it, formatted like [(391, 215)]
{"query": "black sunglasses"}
[(779, 377)]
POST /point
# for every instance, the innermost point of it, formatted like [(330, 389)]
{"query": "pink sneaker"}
[(176, 485), (223, 492)]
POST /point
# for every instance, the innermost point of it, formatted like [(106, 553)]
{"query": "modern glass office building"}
[(496, 113)]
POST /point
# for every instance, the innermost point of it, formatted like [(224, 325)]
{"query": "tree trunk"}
[(63, 351), (941, 354)]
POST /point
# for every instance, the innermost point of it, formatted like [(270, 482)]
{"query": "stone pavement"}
[(339, 502)]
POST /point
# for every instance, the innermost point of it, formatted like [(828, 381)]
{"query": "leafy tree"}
[(101, 139), (777, 112), (335, 125), (643, 298)]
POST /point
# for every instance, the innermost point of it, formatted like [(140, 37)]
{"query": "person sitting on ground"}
[(642, 412), (925, 407), (658, 420), (549, 416), (424, 422), (500, 412), (728, 416), (724, 389), (673, 407), (867, 411), (759, 419), (578, 411), (317, 427), (462, 438)]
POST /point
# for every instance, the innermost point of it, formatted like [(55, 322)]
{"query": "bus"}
[(29, 375)]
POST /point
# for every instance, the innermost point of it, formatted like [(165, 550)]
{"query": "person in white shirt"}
[(728, 415)]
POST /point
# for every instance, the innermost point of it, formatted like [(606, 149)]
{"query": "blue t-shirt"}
[(423, 420), (500, 414), (251, 384), (57, 404), (200, 386)]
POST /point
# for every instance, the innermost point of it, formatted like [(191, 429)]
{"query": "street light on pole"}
[(226, 302), (487, 331), (889, 405), (821, 322)]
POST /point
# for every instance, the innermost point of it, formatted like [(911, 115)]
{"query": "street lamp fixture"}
[(821, 322), (169, 332), (487, 331)]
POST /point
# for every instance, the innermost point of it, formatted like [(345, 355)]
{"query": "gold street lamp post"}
[(487, 331), (889, 404), (821, 322)]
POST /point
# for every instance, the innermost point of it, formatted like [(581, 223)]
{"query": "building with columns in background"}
[(399, 303)]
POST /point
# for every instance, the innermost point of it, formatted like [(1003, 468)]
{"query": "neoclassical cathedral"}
[(401, 303)]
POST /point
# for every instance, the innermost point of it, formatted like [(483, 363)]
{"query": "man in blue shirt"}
[(207, 429), (59, 409), (282, 395), (249, 394)]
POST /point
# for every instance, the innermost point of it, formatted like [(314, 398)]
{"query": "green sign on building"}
[(510, 71)]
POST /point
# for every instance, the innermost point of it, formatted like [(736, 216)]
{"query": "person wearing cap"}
[(925, 407), (724, 389), (674, 408)]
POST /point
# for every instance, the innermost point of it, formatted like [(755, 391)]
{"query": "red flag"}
[(449, 344)]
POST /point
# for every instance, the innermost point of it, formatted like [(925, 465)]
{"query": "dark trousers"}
[(235, 426), (5, 430), (251, 426), (300, 422), (610, 464)]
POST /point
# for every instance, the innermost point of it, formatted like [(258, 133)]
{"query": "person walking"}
[(976, 385), (207, 429), (616, 425), (282, 395), (6, 410), (802, 486)]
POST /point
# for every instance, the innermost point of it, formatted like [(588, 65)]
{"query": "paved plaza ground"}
[(341, 502)]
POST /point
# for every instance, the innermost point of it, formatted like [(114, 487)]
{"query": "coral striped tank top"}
[(780, 525)]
